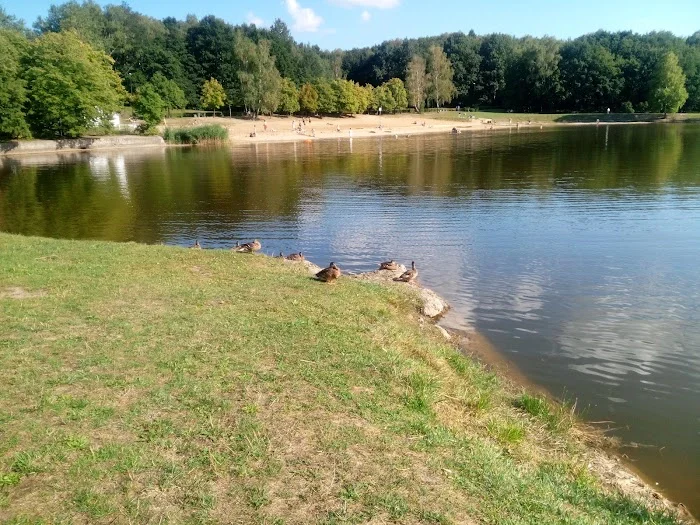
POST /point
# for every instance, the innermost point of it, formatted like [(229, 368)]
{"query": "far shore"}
[(280, 129)]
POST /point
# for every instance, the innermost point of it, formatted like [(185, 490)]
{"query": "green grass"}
[(196, 135), (504, 118), (149, 384)]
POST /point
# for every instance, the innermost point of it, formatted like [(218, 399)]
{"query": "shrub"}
[(627, 107), (212, 133)]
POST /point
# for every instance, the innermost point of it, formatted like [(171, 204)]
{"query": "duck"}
[(196, 245), (295, 257), (329, 274), (280, 256), (409, 275), (248, 247), (391, 265)]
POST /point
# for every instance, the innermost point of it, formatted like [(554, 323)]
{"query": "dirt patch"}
[(17, 292)]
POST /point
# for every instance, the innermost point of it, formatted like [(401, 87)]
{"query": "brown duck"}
[(248, 247), (295, 257), (329, 274), (409, 275), (391, 265), (196, 246)]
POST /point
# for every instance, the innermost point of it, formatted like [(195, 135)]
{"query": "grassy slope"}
[(150, 384)]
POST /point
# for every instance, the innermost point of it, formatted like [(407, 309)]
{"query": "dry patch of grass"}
[(152, 384)]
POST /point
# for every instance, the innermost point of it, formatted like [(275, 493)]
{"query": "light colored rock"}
[(381, 275), (312, 268), (444, 332), (433, 305)]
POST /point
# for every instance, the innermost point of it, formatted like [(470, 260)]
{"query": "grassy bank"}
[(150, 384), (195, 135), (502, 117)]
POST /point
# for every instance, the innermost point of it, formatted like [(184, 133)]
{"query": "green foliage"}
[(627, 107), (172, 96), (261, 83), (196, 135), (11, 22), (289, 97), (349, 97), (591, 76), (72, 86), (416, 82), (327, 97), (213, 94), (668, 92), (440, 88), (13, 92), (149, 105), (308, 98), (398, 94)]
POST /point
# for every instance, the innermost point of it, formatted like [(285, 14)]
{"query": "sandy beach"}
[(281, 128)]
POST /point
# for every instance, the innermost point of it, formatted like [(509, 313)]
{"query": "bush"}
[(627, 107), (212, 133)]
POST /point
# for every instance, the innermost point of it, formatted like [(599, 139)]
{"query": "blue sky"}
[(351, 23)]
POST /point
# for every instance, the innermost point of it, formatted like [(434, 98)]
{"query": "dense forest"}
[(197, 63)]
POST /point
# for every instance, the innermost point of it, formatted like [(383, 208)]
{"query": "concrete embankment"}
[(18, 147)]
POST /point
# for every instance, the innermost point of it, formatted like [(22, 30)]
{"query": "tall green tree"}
[(149, 105), (73, 86), (13, 92), (261, 83), (308, 99), (495, 50), (533, 82), (11, 22), (327, 97), (416, 82), (398, 94), (463, 52), (289, 97), (590, 75), (213, 94), (668, 92), (440, 88), (170, 93)]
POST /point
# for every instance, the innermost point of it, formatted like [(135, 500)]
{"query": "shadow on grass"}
[(587, 118)]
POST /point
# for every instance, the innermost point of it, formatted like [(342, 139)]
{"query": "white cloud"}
[(365, 16), (305, 20), (254, 20), (377, 4)]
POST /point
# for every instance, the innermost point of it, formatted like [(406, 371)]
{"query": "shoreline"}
[(325, 128), (605, 460)]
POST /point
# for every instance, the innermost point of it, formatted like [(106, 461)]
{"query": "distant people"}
[(350, 132), (294, 125), (608, 111), (264, 125), (337, 128), (380, 110), (313, 132)]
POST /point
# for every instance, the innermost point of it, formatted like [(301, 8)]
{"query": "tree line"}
[(160, 65)]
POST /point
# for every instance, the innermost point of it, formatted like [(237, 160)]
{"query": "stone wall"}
[(87, 143)]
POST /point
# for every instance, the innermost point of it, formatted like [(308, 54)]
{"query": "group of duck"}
[(328, 274)]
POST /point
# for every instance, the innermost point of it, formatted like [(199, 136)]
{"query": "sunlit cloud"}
[(305, 20), (254, 20), (365, 16)]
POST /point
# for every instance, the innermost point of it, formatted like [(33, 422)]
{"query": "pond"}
[(575, 251)]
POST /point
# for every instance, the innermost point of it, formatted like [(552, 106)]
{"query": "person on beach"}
[(294, 125)]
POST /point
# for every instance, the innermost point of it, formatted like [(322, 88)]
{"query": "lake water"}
[(575, 251)]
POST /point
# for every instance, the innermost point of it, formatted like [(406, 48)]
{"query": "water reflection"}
[(574, 250)]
